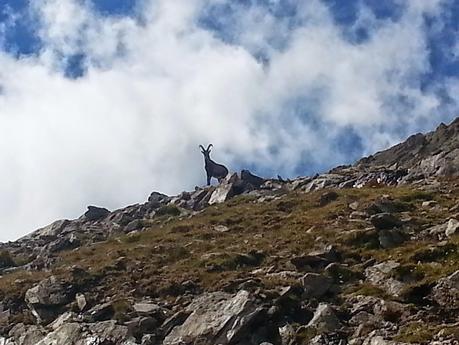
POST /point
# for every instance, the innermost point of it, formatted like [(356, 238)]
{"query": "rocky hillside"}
[(364, 254)]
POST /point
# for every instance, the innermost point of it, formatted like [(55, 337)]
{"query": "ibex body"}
[(213, 169)]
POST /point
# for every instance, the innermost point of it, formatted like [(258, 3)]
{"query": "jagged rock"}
[(385, 221), (100, 312), (62, 319), (446, 292), (325, 180), (141, 325), (315, 285), (147, 308), (224, 190), (218, 318), (287, 334), (324, 319), (96, 213), (45, 299), (22, 334), (65, 243), (49, 231), (107, 332), (380, 276), (452, 227), (157, 199), (134, 225), (248, 177)]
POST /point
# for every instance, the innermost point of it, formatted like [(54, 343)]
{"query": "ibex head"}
[(206, 152)]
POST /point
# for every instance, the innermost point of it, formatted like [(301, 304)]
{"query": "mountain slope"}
[(365, 254)]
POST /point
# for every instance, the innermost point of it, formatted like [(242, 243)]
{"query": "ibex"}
[(213, 169)]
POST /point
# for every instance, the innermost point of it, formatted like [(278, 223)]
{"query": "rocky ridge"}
[(363, 254)]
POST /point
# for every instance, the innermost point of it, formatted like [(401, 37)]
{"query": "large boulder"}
[(46, 299), (107, 332), (380, 275), (446, 292), (22, 334), (224, 190), (385, 221), (324, 319), (96, 213), (315, 285), (220, 318), (248, 177)]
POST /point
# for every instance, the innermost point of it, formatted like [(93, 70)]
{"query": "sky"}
[(104, 101)]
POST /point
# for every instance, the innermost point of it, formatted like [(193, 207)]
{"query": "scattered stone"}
[(429, 204), (146, 308), (100, 312), (221, 228), (315, 285), (446, 292), (354, 205), (380, 275), (45, 299), (324, 319), (383, 221), (451, 227), (218, 318)]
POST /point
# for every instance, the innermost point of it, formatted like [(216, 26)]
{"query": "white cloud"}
[(158, 86)]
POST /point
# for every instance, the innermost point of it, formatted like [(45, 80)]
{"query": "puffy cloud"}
[(274, 91)]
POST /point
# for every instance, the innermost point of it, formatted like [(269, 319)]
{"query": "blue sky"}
[(103, 101)]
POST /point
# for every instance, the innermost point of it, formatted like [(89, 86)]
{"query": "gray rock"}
[(45, 298), (324, 319), (315, 285), (248, 177), (136, 224), (382, 221), (100, 312), (224, 190), (96, 213), (446, 292), (216, 318), (49, 231), (48, 292), (452, 227), (146, 308), (390, 238), (22, 334), (380, 276)]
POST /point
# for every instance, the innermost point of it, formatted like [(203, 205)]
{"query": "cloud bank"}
[(111, 108)]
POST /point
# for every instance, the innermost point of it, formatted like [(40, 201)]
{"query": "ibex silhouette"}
[(213, 169)]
